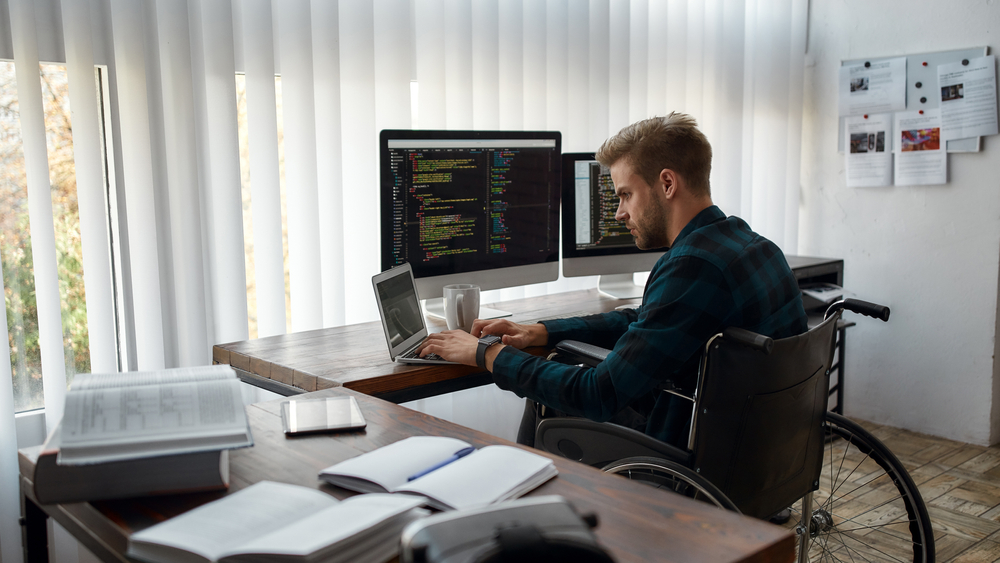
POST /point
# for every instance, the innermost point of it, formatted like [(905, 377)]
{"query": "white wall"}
[(930, 253)]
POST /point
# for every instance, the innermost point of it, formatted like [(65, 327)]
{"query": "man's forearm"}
[(538, 335)]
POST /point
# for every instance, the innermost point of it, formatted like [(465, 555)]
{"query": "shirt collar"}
[(707, 216)]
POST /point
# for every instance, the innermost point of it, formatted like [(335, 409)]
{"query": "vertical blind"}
[(348, 69)]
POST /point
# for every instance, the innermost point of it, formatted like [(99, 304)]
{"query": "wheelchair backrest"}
[(758, 423)]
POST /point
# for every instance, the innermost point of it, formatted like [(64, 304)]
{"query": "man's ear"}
[(668, 182)]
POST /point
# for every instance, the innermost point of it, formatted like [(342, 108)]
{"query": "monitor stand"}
[(435, 308), (621, 286)]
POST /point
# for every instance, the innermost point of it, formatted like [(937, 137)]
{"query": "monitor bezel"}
[(499, 277), (594, 261)]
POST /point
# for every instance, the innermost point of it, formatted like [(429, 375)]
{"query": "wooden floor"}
[(960, 484)]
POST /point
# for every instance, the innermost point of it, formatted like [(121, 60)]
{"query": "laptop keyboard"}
[(415, 353)]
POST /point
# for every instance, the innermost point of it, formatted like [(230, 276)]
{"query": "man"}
[(717, 273)]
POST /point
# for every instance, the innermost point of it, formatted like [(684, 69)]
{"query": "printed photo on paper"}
[(921, 159), (920, 140), (868, 152), (955, 92), (879, 87)]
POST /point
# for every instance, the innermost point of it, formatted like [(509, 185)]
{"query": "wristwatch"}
[(484, 343)]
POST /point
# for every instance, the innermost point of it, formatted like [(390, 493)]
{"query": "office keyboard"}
[(415, 353)]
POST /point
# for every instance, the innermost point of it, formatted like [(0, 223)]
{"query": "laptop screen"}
[(400, 307)]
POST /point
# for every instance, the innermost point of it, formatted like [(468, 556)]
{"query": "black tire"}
[(666, 474), (867, 507)]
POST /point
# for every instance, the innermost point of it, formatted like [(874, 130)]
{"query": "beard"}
[(651, 228)]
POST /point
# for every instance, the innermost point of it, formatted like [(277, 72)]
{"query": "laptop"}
[(402, 320)]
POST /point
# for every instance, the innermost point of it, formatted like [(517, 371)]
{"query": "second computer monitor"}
[(594, 242), (477, 207)]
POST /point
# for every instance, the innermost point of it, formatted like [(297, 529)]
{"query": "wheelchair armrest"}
[(581, 352), (600, 443), (749, 339)]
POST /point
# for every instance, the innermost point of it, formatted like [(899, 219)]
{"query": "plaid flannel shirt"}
[(717, 274)]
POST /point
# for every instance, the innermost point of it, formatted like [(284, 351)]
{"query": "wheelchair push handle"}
[(865, 308), (749, 339)]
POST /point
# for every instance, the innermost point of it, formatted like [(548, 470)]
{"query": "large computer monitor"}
[(477, 207), (594, 242)]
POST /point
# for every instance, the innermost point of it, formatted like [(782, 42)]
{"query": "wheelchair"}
[(761, 439)]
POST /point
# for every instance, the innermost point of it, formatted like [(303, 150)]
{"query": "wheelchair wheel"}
[(666, 474), (867, 507)]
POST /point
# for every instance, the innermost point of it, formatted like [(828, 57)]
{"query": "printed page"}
[(489, 475), (331, 525), (868, 152), (920, 158), (223, 526), (389, 466), (104, 424), (968, 98), (83, 381), (877, 88)]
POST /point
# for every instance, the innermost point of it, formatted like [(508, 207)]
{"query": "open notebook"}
[(488, 475)]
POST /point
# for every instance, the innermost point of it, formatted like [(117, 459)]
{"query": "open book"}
[(115, 416), (277, 522), (489, 475)]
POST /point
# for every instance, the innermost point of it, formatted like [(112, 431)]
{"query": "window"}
[(248, 238), (15, 235)]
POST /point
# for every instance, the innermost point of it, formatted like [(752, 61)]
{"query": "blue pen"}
[(457, 455)]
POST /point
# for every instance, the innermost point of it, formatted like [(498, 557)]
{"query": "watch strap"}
[(484, 343)]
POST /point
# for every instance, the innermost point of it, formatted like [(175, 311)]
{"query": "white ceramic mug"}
[(461, 305)]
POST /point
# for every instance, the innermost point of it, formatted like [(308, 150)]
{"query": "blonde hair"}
[(654, 144)]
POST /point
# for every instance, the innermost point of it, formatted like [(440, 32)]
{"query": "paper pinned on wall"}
[(920, 156), (968, 98), (868, 152), (879, 87)]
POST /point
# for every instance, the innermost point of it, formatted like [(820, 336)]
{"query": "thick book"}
[(131, 415), (489, 475), (170, 474), (277, 522)]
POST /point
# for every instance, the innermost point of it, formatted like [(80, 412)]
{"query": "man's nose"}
[(620, 214)]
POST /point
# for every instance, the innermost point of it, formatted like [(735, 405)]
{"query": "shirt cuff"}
[(506, 366), (563, 329)]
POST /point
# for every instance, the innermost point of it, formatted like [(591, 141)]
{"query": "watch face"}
[(490, 339)]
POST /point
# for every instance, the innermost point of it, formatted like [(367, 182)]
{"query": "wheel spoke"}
[(900, 496), (876, 527), (847, 548), (867, 546), (833, 479), (818, 542), (834, 491), (871, 511)]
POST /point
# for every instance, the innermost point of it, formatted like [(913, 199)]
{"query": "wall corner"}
[(995, 387)]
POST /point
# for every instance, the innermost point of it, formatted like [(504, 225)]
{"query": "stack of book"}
[(143, 433), (270, 522), (280, 522)]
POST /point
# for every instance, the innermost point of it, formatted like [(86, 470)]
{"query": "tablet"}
[(321, 415)]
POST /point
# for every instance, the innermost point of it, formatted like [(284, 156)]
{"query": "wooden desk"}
[(357, 357), (637, 523)]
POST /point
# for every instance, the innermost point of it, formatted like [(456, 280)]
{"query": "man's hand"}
[(452, 345), (512, 334)]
